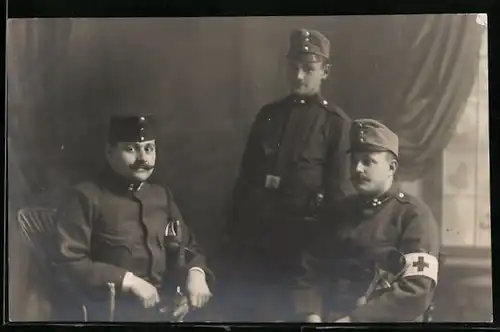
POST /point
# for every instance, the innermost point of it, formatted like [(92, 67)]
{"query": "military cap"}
[(308, 45), (372, 135), (131, 128)]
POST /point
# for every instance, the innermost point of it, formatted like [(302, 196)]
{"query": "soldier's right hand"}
[(147, 293)]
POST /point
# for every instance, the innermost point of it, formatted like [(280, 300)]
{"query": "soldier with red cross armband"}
[(376, 258)]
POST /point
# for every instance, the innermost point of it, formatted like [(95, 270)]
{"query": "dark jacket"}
[(345, 256), (105, 228), (302, 141)]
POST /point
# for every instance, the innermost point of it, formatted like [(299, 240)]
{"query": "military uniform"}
[(295, 153), (379, 263), (111, 226)]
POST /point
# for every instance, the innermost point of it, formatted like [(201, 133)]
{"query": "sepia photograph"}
[(306, 169)]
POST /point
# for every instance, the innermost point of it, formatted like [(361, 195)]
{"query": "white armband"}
[(128, 279), (421, 264)]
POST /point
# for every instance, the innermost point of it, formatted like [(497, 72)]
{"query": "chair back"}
[(37, 226)]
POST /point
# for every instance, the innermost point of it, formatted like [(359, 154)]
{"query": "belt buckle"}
[(272, 181)]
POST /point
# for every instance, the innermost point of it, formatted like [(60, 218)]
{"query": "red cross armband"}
[(421, 264)]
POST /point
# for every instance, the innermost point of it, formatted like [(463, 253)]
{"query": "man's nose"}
[(359, 167), (300, 75), (141, 154)]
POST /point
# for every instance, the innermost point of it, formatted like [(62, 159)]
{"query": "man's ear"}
[(326, 70), (393, 165)]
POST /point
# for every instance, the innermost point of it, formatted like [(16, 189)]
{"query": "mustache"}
[(359, 178), (140, 164)]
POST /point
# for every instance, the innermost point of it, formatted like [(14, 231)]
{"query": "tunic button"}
[(401, 195)]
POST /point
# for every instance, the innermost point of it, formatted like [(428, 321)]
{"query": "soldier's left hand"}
[(197, 288)]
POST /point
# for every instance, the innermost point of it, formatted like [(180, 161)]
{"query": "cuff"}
[(127, 281), (198, 269)]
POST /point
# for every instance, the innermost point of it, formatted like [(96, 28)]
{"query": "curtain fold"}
[(442, 54)]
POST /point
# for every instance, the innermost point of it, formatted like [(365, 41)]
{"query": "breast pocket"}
[(113, 249), (173, 234)]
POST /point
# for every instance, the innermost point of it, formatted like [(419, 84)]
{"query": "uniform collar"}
[(304, 100), (117, 182), (375, 202)]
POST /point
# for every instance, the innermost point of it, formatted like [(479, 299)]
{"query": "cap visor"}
[(367, 148), (305, 57)]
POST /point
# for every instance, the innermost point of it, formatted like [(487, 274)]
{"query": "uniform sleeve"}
[(337, 176), (246, 165), (412, 293), (194, 254), (73, 236)]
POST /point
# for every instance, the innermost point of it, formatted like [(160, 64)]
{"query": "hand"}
[(345, 319), (197, 288), (146, 292), (313, 318)]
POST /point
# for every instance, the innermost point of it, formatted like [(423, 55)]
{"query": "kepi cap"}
[(131, 128), (308, 45), (372, 135)]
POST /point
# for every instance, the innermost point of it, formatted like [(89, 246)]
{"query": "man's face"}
[(133, 160), (305, 78), (371, 171)]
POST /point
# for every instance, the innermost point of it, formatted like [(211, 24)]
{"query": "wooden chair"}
[(37, 227)]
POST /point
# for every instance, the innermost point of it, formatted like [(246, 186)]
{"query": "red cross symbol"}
[(421, 264)]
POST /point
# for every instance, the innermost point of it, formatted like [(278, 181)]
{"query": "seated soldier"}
[(120, 230), (379, 248)]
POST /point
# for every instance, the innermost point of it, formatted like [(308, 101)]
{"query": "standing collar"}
[(119, 183), (303, 100), (392, 192)]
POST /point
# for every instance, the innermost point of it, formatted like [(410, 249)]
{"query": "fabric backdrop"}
[(205, 79)]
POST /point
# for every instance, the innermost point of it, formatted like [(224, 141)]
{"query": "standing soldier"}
[(123, 231), (382, 261), (295, 157)]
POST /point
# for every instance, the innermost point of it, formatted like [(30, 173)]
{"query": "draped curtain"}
[(205, 79), (412, 72)]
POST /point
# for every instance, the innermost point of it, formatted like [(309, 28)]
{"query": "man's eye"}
[(129, 149), (366, 162)]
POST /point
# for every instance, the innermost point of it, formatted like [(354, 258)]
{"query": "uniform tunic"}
[(304, 143), (346, 255), (108, 227)]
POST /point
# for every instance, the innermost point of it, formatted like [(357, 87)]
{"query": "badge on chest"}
[(272, 181), (173, 236), (173, 228)]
